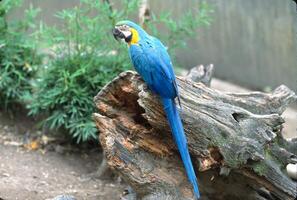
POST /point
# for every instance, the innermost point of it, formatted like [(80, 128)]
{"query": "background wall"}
[(252, 43)]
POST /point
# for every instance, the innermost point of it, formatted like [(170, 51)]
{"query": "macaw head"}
[(128, 31)]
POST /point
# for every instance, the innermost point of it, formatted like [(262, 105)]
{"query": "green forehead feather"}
[(132, 25), (122, 22)]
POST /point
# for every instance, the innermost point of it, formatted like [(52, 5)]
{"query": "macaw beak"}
[(122, 34), (117, 34)]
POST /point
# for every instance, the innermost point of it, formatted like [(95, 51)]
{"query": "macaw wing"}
[(150, 65), (164, 56)]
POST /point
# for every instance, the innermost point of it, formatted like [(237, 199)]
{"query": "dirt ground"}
[(33, 171)]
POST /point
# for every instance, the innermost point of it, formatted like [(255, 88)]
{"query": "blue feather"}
[(152, 62), (181, 141)]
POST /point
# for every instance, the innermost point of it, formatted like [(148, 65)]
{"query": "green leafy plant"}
[(18, 57), (86, 57), (178, 31)]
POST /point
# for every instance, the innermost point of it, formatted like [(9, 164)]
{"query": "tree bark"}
[(234, 140)]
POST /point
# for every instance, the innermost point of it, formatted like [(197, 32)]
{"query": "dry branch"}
[(234, 139)]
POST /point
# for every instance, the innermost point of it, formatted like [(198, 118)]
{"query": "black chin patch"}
[(129, 38)]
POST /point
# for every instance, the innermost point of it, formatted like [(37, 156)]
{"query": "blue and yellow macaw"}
[(151, 60)]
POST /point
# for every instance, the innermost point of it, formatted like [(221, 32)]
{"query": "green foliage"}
[(178, 30), (86, 58), (18, 58)]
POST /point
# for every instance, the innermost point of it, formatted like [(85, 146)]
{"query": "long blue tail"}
[(181, 141)]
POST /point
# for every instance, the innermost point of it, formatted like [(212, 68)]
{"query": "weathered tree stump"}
[(234, 139)]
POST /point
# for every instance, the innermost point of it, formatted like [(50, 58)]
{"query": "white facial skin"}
[(127, 33)]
